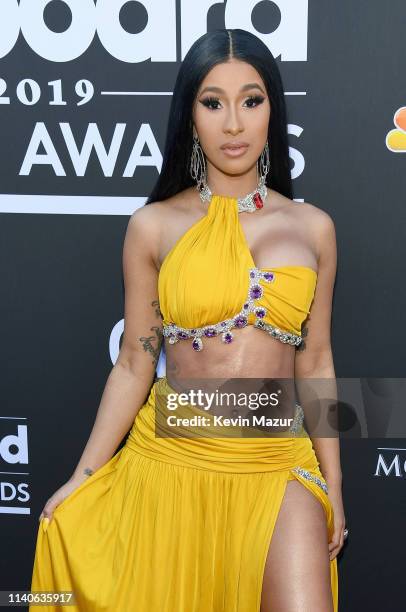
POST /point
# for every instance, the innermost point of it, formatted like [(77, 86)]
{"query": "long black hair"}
[(213, 48)]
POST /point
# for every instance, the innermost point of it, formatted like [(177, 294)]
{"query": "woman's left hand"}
[(336, 498)]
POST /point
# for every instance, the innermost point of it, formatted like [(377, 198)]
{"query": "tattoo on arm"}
[(147, 341), (157, 309)]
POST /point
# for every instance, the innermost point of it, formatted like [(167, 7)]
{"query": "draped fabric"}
[(204, 278), (175, 525), (184, 524)]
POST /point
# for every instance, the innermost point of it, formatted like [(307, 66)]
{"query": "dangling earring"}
[(198, 164), (249, 203), (264, 164)]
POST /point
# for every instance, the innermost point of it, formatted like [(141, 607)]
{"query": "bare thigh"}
[(297, 568)]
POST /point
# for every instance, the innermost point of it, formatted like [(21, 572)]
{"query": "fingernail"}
[(45, 524)]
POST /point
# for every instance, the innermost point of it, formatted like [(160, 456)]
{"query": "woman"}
[(210, 523)]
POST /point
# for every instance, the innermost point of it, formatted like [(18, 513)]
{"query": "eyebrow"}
[(243, 88)]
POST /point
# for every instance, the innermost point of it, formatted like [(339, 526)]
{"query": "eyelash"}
[(208, 101)]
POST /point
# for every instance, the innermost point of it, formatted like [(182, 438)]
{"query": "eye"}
[(211, 102), (257, 99)]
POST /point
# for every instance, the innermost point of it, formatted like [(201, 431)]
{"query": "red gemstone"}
[(258, 201)]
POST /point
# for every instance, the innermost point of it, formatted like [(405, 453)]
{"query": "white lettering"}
[(289, 40), (18, 440), (92, 141), (9, 26), (58, 46), (39, 137), (296, 155), (157, 41), (381, 465), (145, 137), (80, 159)]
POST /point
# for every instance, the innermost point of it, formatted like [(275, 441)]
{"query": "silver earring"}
[(264, 164), (198, 164)]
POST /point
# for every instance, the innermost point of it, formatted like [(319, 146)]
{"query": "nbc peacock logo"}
[(396, 139)]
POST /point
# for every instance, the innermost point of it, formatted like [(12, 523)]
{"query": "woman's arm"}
[(131, 377), (316, 361), (314, 358)]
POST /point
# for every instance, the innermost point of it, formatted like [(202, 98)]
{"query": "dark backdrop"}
[(78, 157)]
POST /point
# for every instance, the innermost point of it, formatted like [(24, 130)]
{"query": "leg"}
[(297, 568)]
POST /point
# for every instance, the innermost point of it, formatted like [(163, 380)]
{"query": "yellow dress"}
[(184, 524)]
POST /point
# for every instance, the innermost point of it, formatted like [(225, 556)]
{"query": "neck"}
[(234, 186)]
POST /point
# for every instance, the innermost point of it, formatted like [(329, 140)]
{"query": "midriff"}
[(253, 353)]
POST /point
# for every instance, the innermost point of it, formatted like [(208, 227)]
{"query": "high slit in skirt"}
[(175, 525)]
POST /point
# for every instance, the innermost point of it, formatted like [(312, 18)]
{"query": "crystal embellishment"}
[(298, 420), (275, 332), (309, 476), (250, 203), (174, 333)]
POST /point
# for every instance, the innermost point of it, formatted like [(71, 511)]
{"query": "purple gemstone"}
[(197, 344), (246, 305), (240, 321), (227, 337), (193, 331), (223, 323), (182, 335), (260, 312), (256, 292), (252, 274), (268, 276), (210, 332)]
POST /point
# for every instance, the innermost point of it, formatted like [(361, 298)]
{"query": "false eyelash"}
[(257, 99)]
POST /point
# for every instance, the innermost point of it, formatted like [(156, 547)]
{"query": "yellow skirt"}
[(173, 524)]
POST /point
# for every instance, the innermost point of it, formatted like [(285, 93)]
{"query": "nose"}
[(233, 122)]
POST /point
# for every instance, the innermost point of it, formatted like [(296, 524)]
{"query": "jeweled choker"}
[(249, 203)]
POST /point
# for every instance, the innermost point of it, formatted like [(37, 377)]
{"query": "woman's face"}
[(232, 106)]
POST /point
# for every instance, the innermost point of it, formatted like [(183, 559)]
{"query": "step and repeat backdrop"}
[(85, 89)]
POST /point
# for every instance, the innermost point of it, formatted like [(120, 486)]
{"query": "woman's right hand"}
[(57, 498)]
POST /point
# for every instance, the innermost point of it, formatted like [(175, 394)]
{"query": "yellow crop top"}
[(208, 284)]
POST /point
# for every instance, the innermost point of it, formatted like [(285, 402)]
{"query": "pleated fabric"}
[(204, 278), (175, 524)]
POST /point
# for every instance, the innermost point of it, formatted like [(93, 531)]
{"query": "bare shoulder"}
[(317, 224), (316, 217), (156, 214), (304, 212), (321, 228), (145, 218), (148, 223), (176, 204), (317, 220), (143, 232)]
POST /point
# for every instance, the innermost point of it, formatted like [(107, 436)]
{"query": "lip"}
[(235, 150), (234, 145)]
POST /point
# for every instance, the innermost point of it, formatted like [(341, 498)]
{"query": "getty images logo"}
[(391, 462), (13, 459), (157, 41)]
